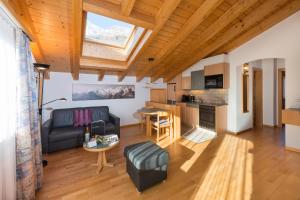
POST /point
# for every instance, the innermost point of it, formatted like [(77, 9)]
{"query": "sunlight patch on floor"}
[(197, 148), (230, 173)]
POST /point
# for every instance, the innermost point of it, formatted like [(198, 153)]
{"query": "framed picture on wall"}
[(83, 92)]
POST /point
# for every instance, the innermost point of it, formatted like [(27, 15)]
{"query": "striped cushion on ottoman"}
[(146, 164)]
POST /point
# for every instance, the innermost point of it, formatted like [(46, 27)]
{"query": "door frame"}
[(253, 95), (280, 74)]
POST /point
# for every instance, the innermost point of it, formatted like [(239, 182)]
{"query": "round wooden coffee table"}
[(102, 162)]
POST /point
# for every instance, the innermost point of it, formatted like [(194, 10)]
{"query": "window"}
[(108, 31)]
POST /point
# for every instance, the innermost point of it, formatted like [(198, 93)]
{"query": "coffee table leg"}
[(100, 162), (105, 163)]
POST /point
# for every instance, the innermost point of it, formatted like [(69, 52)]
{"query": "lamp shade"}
[(41, 66)]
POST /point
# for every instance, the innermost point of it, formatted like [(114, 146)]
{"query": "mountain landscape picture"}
[(83, 92)]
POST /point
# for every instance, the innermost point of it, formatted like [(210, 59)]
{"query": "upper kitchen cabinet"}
[(186, 83), (197, 80), (218, 70), (158, 95)]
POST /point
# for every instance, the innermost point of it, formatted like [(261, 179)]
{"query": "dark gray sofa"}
[(59, 133)]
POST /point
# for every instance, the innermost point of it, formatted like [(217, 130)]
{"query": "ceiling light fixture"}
[(150, 59)]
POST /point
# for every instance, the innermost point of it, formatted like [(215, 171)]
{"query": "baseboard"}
[(239, 132), (292, 149), (129, 125), (269, 126)]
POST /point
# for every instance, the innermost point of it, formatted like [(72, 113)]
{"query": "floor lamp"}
[(41, 69)]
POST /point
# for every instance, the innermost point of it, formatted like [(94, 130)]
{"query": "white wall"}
[(207, 61), (269, 108), (281, 41), (60, 85)]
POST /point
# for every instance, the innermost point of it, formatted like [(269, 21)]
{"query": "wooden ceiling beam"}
[(161, 18), (114, 11), (250, 23), (206, 8), (77, 15), (228, 17), (120, 76), (127, 6), (100, 63), (101, 75)]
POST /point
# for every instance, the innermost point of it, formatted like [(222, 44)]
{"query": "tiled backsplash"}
[(216, 96)]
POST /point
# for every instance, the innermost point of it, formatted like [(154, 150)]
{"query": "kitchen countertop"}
[(196, 104)]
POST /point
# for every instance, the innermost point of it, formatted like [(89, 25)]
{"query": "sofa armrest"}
[(116, 121), (46, 129)]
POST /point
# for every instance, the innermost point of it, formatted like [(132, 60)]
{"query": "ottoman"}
[(146, 164)]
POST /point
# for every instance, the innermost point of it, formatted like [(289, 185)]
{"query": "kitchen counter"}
[(291, 116), (197, 104)]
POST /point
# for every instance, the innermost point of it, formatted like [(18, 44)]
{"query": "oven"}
[(207, 117), (214, 81)]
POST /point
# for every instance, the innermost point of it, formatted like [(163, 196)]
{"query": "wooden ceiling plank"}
[(114, 11), (127, 6), (231, 14), (242, 25), (161, 18), (277, 16), (77, 14), (253, 32)]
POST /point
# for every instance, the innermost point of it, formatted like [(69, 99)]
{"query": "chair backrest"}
[(167, 115)]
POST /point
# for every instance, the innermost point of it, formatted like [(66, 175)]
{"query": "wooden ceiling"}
[(182, 31)]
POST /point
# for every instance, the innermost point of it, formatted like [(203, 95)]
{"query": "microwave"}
[(214, 81)]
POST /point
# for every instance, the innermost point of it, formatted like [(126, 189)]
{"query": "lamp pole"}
[(41, 68)]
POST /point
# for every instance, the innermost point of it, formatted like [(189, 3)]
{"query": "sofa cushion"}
[(146, 155), (62, 118), (100, 113), (65, 133)]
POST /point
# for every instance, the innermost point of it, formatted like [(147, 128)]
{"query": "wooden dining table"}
[(147, 112)]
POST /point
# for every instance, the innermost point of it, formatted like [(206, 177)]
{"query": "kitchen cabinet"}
[(197, 80), (182, 112), (186, 83), (191, 116), (216, 69), (158, 95)]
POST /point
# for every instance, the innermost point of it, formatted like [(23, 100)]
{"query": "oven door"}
[(214, 81), (207, 117)]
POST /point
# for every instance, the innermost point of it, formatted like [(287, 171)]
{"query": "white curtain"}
[(7, 108)]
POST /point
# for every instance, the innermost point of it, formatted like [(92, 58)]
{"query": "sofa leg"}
[(138, 191)]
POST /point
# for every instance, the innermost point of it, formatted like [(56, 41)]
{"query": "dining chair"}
[(162, 124)]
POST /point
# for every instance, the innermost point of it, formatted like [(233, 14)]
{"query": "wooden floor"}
[(252, 165)]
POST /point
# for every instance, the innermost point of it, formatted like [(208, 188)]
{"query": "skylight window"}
[(108, 31)]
